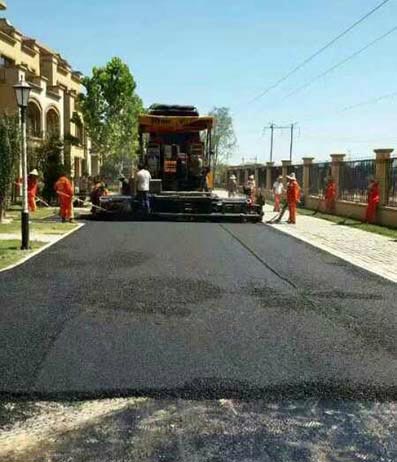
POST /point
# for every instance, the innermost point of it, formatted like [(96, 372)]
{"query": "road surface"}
[(198, 310)]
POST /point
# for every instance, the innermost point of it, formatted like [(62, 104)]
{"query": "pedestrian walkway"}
[(370, 251)]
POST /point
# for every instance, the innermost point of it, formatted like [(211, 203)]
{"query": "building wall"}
[(55, 87)]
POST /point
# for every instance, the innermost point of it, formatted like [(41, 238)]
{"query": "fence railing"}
[(262, 177), (298, 170), (354, 179), (392, 183), (318, 175), (276, 172)]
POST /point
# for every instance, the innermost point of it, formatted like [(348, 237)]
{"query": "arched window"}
[(52, 123), (80, 133), (34, 120)]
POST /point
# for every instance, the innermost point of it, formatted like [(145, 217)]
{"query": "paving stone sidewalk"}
[(370, 251)]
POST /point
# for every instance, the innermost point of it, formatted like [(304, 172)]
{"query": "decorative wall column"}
[(307, 162), (256, 174), (269, 166), (284, 171), (245, 170), (337, 160), (382, 173)]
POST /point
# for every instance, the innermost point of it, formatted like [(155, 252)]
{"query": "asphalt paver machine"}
[(176, 146)]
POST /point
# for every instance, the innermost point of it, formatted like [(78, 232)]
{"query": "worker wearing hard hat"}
[(330, 196), (373, 201), (64, 190), (278, 191), (251, 188), (293, 197), (32, 189), (232, 186)]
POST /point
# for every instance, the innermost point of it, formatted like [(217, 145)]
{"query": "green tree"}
[(48, 161), (224, 139), (9, 155), (110, 108)]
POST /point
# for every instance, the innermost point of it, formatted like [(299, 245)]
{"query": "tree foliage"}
[(224, 139), (9, 155), (47, 158), (110, 108)]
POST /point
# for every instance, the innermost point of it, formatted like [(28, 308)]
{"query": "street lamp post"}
[(22, 91)]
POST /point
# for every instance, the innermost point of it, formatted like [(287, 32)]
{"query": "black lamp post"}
[(22, 91)]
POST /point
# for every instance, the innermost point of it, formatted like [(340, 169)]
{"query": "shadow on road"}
[(220, 430)]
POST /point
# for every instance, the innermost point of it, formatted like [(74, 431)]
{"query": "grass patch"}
[(10, 252), (40, 214), (38, 224)]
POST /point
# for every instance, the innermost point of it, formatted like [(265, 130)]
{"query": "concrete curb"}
[(41, 249), (353, 261)]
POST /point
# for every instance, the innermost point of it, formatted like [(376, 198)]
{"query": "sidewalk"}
[(370, 251)]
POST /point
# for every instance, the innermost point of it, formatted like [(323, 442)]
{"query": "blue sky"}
[(224, 52)]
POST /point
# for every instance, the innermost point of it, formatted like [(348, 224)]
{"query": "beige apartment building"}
[(52, 106)]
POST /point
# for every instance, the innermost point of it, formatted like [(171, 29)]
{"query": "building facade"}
[(52, 109)]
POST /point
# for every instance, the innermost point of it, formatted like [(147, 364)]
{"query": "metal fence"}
[(298, 170), (262, 177), (392, 183), (318, 175), (354, 180), (276, 172)]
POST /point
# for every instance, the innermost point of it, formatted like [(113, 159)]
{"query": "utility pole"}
[(271, 142), (292, 142), (273, 127)]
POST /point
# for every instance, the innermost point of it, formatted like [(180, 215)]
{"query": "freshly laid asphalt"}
[(197, 310)]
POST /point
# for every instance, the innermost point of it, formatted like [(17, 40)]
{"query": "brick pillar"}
[(307, 162), (382, 173), (237, 173), (337, 160), (285, 164), (256, 174), (269, 166)]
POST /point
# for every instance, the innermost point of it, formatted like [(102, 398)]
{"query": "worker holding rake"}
[(64, 190)]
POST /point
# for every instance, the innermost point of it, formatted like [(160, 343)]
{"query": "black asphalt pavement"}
[(194, 310)]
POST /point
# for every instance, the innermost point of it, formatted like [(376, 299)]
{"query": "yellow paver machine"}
[(176, 147)]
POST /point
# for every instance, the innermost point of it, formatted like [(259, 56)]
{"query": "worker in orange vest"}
[(64, 190), (373, 201), (32, 190), (293, 197), (330, 196)]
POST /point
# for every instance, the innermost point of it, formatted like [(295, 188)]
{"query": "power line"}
[(272, 126), (321, 50), (340, 63), (339, 111), (370, 101)]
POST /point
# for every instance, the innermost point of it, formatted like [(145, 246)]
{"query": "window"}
[(80, 133), (34, 120), (52, 123), (5, 62)]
